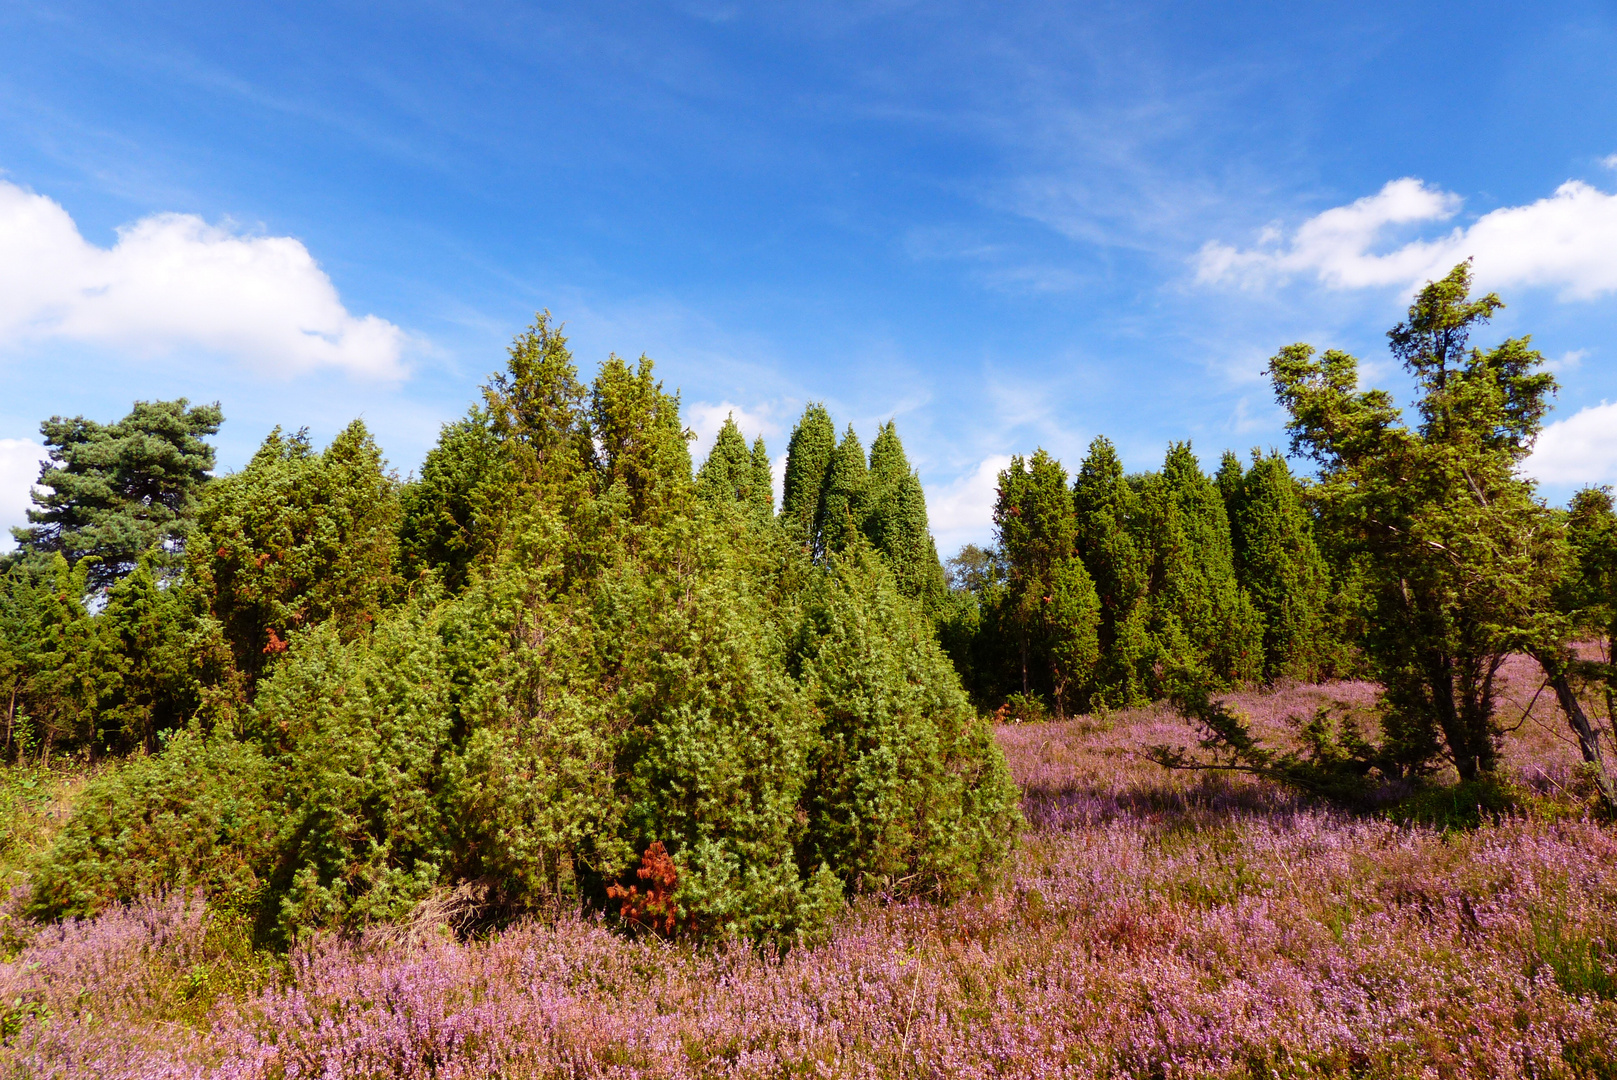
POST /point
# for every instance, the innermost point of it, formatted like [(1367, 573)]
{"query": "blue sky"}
[(1005, 224)]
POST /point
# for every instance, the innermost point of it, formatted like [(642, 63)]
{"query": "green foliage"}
[(843, 506), (1107, 518), (896, 521), (453, 517), (1198, 617), (199, 814), (598, 658), (295, 539), (734, 476), (808, 462), (1458, 556), (1281, 569), (46, 638), (116, 491)]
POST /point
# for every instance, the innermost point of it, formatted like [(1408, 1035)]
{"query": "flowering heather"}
[(1154, 925)]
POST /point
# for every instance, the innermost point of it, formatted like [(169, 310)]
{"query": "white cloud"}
[(174, 281), (963, 512), (19, 468), (1609, 161), (1567, 241), (1582, 449), (706, 419)]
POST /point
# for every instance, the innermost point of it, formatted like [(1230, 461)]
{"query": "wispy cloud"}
[(1566, 241), (171, 282)]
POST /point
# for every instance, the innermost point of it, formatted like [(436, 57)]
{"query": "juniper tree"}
[(453, 516), (844, 505), (1200, 619), (1586, 599), (1459, 556), (726, 476), (808, 461), (1107, 513), (1279, 566), (114, 491), (1051, 598), (762, 495), (896, 522)]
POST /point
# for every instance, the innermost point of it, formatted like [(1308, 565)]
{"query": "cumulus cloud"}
[(963, 512), (173, 281), (19, 468), (1567, 241), (1582, 449)]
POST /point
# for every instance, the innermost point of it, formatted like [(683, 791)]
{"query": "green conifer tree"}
[(1279, 566), (763, 483), (1107, 514), (642, 445), (1200, 619), (808, 461), (115, 491), (726, 477), (896, 524), (844, 505)]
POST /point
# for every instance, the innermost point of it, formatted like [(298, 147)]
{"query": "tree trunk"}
[(1577, 719)]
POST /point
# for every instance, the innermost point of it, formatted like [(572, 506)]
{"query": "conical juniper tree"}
[(115, 491), (1107, 512), (726, 477), (843, 506), (762, 493), (808, 461), (896, 522), (1051, 599), (454, 514), (1279, 566), (1201, 621), (1459, 555)]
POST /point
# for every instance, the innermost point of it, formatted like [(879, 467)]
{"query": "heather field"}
[(1154, 924)]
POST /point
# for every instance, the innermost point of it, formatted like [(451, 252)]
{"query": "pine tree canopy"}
[(114, 491)]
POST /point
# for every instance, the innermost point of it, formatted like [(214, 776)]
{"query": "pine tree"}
[(1280, 567), (1200, 619), (1107, 513), (115, 491), (896, 524), (808, 461)]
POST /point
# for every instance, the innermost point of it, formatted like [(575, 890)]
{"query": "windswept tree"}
[(115, 491), (1459, 555)]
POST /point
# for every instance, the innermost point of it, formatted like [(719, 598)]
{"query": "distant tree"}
[(1200, 619), (1107, 513), (1459, 556), (1280, 567), (896, 521), (1586, 599), (762, 493), (1051, 598), (114, 491), (808, 461)]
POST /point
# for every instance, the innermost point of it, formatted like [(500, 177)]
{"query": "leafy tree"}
[(1459, 556), (642, 446), (808, 462), (114, 491), (1199, 618), (1586, 597), (845, 502), (1106, 518)]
